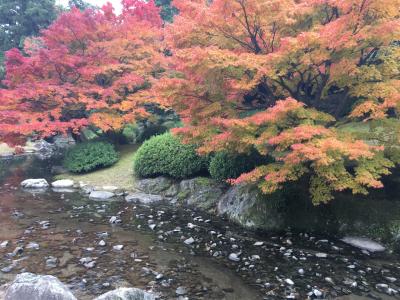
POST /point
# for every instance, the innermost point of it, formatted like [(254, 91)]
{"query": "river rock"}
[(63, 183), (28, 286), (35, 183), (153, 185), (363, 243), (143, 198), (246, 205), (63, 141), (101, 195), (127, 294), (200, 192), (43, 149)]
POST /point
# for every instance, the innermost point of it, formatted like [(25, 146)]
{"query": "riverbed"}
[(172, 251)]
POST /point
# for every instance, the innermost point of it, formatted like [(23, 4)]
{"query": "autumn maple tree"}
[(88, 68), (282, 77)]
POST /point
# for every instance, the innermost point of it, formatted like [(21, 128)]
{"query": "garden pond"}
[(175, 252)]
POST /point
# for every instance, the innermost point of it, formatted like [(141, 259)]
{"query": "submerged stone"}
[(101, 195), (143, 198), (63, 183), (35, 183), (363, 243), (28, 286), (127, 294)]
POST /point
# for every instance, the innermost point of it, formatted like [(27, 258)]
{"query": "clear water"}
[(68, 227)]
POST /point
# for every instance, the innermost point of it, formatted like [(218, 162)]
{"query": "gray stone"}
[(153, 185), (63, 141), (44, 149), (33, 245), (363, 243), (200, 192), (63, 183), (234, 257), (127, 294), (143, 198), (246, 205), (101, 195), (189, 241), (28, 286), (181, 291), (35, 183), (172, 191)]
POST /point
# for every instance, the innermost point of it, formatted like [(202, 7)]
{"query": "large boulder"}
[(143, 198), (28, 286), (200, 192), (43, 149), (63, 183), (246, 205), (363, 243), (101, 195), (127, 294), (35, 183), (63, 141), (154, 185)]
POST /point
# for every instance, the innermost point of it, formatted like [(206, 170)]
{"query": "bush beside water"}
[(90, 156), (166, 155)]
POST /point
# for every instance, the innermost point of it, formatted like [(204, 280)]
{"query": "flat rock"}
[(127, 294), (363, 243), (35, 183), (143, 198), (63, 183), (101, 195), (28, 286)]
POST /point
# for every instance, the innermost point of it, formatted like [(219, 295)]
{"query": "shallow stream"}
[(172, 251)]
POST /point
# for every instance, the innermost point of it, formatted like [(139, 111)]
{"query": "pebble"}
[(391, 279), (321, 255), (301, 271), (181, 291), (17, 251), (234, 257), (51, 262), (102, 243), (118, 247), (329, 280), (189, 241), (33, 245), (115, 220), (289, 281), (152, 226), (258, 244), (7, 269), (317, 293), (4, 244)]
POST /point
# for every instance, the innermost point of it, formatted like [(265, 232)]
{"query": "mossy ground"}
[(121, 174)]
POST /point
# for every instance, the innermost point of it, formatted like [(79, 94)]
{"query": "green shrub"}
[(225, 166), (90, 156), (166, 155)]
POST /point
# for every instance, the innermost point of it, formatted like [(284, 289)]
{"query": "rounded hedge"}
[(90, 156), (166, 155), (225, 166)]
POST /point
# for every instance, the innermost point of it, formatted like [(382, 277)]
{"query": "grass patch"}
[(120, 175)]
